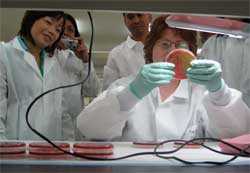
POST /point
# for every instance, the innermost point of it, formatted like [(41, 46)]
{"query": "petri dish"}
[(181, 58), (146, 144), (12, 150), (44, 148), (189, 145), (94, 149), (12, 147)]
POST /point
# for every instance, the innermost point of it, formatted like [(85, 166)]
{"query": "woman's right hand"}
[(151, 76)]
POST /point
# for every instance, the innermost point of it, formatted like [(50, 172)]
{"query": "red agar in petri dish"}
[(46, 150), (181, 58), (94, 149), (12, 150), (146, 144), (12, 147)]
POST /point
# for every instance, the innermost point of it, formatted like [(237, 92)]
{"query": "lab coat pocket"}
[(12, 122), (23, 130)]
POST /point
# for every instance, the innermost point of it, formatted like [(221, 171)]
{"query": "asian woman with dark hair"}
[(29, 66)]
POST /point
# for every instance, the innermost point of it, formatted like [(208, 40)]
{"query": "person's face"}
[(137, 23), (166, 43), (69, 30), (46, 30)]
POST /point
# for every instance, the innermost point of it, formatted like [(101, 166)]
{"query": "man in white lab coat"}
[(234, 57), (128, 57)]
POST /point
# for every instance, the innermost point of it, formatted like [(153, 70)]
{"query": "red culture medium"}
[(181, 58)]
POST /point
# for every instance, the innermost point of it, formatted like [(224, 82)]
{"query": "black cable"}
[(242, 153), (91, 42), (198, 163), (197, 141)]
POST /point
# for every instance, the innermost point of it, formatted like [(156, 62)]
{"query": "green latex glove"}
[(206, 72), (151, 76)]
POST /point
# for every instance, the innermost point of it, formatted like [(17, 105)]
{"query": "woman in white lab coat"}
[(27, 70), (73, 43), (154, 106)]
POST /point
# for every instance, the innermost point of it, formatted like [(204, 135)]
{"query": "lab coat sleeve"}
[(3, 95), (228, 115), (110, 71), (104, 118)]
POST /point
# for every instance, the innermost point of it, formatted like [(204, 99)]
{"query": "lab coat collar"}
[(182, 90), (181, 94), (16, 44), (132, 43), (26, 55)]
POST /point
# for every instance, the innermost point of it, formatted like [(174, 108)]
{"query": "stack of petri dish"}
[(12, 150), (44, 150), (94, 149)]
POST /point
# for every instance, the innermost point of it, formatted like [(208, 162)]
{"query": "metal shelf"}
[(240, 8)]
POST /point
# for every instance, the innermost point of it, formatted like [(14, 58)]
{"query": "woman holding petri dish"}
[(159, 104)]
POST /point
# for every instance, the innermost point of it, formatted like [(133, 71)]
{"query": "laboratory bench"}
[(138, 164)]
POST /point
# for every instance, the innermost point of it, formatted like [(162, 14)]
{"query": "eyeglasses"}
[(167, 44)]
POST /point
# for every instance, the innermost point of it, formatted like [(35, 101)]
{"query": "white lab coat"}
[(118, 114), (74, 96), (125, 59), (21, 82), (234, 57)]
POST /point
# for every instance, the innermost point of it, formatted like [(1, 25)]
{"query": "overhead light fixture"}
[(232, 28)]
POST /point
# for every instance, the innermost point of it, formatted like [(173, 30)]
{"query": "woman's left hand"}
[(82, 51), (206, 72)]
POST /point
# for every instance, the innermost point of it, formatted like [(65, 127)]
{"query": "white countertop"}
[(125, 148)]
